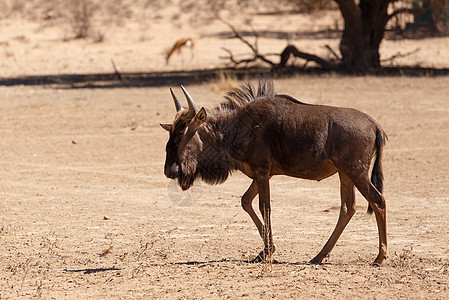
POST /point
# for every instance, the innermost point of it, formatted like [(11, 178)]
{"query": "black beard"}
[(185, 182)]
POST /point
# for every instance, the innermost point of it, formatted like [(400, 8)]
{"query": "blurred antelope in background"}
[(178, 46)]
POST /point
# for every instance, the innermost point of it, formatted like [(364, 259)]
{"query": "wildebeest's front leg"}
[(263, 187)]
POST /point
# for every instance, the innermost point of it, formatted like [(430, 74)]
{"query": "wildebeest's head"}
[(176, 130), (189, 149)]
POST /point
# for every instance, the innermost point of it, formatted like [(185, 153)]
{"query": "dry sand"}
[(86, 212)]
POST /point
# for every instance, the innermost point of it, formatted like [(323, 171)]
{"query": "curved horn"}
[(192, 108), (177, 103)]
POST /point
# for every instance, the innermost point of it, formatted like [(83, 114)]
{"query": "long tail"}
[(377, 176)]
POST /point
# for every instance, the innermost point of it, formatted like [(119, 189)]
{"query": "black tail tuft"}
[(377, 175)]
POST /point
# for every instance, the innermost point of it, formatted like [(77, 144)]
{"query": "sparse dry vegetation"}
[(80, 14), (224, 83), (72, 156), (54, 230), (404, 259)]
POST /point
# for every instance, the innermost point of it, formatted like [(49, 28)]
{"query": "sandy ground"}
[(86, 212), (82, 173)]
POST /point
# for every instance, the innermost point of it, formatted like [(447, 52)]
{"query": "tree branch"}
[(285, 55), (254, 48), (400, 55), (291, 50), (234, 60), (239, 36), (408, 10)]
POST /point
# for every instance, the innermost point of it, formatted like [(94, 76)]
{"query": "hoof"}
[(314, 261), (318, 260), (379, 260), (264, 256), (257, 259)]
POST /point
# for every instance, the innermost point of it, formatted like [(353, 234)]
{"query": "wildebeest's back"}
[(301, 140)]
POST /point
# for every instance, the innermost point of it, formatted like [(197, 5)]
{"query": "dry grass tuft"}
[(225, 82), (404, 259), (81, 13), (267, 264)]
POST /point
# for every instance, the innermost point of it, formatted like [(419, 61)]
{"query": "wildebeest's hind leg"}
[(377, 202), (347, 210), (247, 200)]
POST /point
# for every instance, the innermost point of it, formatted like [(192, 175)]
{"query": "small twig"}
[(107, 251), (27, 268), (400, 55), (144, 249), (333, 52), (268, 259), (305, 64), (256, 37), (230, 57), (116, 71), (240, 61)]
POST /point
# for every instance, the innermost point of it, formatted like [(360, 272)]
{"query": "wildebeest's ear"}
[(167, 127), (201, 116)]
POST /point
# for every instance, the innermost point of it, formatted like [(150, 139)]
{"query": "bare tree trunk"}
[(364, 30)]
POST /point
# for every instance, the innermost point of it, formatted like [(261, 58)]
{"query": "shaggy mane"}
[(245, 94), (209, 153)]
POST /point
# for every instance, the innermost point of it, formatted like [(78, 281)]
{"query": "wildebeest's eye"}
[(181, 127)]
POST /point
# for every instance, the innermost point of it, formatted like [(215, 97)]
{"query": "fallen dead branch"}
[(288, 52), (292, 50)]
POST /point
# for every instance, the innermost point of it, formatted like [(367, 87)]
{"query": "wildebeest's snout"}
[(171, 171)]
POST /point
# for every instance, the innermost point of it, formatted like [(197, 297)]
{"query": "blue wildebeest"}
[(263, 134)]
